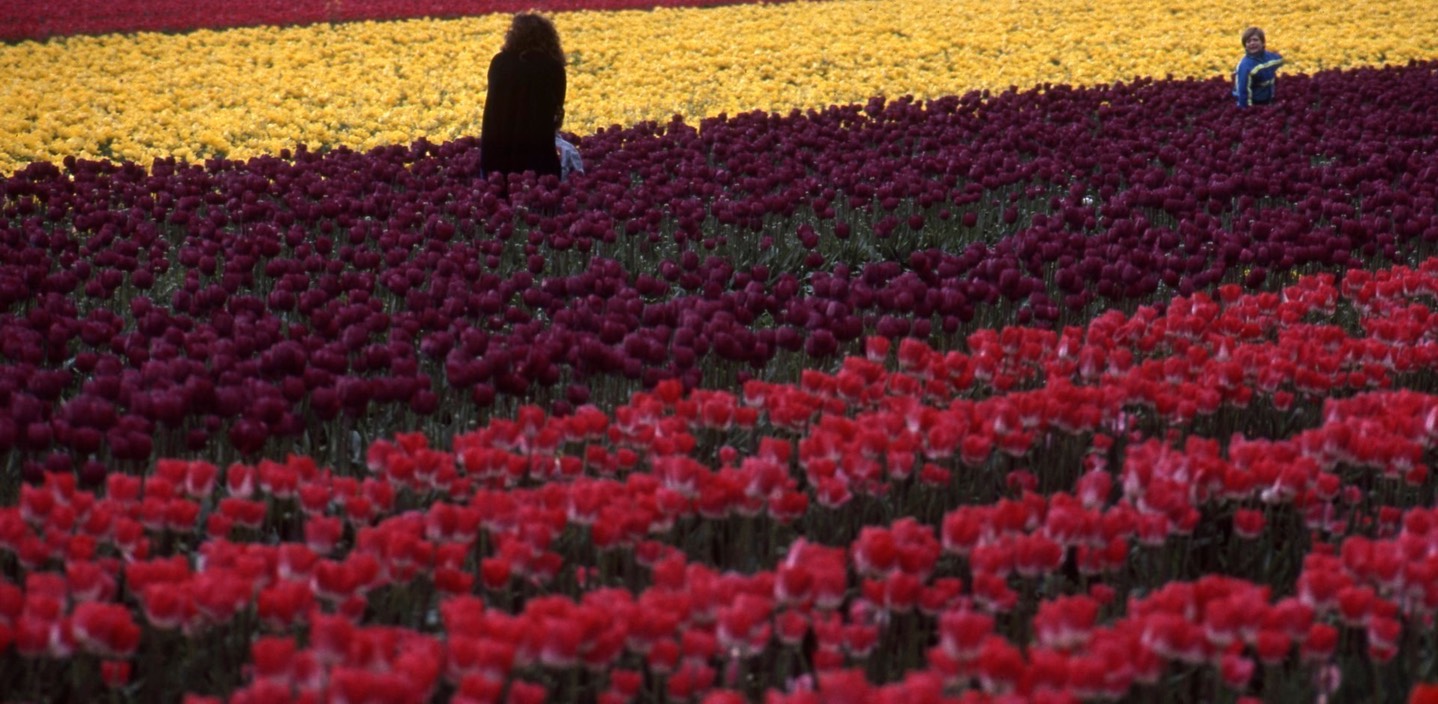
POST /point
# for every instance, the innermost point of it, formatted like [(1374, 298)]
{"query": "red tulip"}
[(107, 630)]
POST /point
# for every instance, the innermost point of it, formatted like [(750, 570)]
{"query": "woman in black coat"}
[(525, 101)]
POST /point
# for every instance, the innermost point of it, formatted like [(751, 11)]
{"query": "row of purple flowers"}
[(321, 298)]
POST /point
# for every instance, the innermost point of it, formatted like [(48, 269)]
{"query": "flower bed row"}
[(232, 309), (71, 17), (366, 85), (1214, 498)]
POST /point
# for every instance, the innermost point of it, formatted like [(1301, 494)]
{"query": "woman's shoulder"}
[(527, 60), (543, 59), (507, 64), (501, 61), (511, 57)]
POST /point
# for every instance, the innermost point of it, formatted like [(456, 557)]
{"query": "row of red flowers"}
[(39, 21), (229, 309), (1046, 516)]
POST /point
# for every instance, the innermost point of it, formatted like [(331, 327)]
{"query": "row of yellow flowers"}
[(243, 92)]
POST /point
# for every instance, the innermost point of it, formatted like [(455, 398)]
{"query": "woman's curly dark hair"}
[(531, 31)]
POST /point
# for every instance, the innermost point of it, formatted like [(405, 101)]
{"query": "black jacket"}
[(522, 110)]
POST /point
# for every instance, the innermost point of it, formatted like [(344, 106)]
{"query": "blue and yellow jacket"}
[(1253, 79)]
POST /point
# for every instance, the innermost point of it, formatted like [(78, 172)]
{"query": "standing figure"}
[(524, 105), (1254, 77)]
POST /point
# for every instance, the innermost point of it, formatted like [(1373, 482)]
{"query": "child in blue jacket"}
[(1253, 79)]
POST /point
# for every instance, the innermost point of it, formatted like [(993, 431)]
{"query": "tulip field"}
[(887, 351)]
